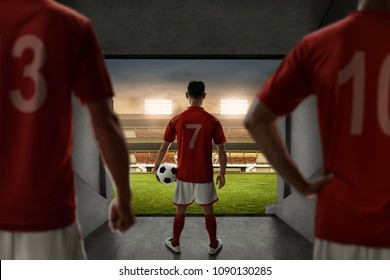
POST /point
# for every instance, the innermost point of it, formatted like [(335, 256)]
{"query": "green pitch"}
[(242, 194)]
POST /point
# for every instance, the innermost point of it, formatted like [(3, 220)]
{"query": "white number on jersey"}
[(30, 71), (355, 70), (197, 128)]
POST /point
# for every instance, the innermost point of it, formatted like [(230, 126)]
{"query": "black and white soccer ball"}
[(166, 173)]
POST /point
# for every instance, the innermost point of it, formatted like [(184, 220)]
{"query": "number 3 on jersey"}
[(197, 128), (30, 71)]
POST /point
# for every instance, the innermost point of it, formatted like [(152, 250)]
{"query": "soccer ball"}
[(166, 173)]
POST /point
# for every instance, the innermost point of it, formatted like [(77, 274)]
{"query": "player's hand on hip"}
[(121, 216), (315, 186), (220, 180)]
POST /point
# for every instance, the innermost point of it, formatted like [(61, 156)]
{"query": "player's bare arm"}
[(261, 123), (222, 165), (160, 156), (113, 149), (373, 5)]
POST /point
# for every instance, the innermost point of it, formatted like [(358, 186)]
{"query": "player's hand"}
[(220, 181), (155, 169), (155, 175), (121, 216), (313, 187)]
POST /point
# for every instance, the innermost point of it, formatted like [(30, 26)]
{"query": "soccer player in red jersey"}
[(48, 51), (195, 130), (347, 67)]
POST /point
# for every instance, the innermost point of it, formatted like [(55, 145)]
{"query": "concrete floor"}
[(244, 238)]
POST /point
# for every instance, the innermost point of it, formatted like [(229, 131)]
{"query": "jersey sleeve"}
[(170, 132), (219, 135), (91, 81), (290, 84)]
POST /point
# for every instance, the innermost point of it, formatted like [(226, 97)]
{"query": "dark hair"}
[(196, 89)]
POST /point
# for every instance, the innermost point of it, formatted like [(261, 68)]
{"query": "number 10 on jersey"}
[(355, 71)]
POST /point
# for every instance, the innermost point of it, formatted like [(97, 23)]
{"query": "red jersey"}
[(347, 67), (195, 129), (47, 51)]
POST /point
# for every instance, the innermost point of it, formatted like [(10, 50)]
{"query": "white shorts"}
[(202, 194), (60, 244), (328, 250)]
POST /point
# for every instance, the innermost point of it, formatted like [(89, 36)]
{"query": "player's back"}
[(42, 45), (350, 73), (196, 130), (349, 66)]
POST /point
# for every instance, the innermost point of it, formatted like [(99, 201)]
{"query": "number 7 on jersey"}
[(197, 128)]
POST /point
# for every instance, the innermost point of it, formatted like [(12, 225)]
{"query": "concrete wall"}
[(306, 151), (94, 189)]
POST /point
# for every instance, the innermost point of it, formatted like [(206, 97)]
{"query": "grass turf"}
[(242, 194)]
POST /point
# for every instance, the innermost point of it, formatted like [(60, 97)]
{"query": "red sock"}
[(178, 225), (211, 226)]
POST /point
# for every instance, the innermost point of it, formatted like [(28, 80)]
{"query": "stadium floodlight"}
[(233, 106), (158, 107)]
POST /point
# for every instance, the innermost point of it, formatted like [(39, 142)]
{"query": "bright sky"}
[(135, 80)]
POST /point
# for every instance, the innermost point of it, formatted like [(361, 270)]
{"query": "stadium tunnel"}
[(215, 29)]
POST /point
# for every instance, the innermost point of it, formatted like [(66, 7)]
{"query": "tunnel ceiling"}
[(202, 27)]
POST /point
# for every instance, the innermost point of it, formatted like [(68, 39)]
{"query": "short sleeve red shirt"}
[(195, 130), (347, 67), (47, 52)]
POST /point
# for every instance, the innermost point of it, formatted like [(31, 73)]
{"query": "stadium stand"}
[(231, 133), (238, 161), (144, 137)]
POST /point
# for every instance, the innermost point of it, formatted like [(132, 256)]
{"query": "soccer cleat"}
[(212, 250), (168, 243)]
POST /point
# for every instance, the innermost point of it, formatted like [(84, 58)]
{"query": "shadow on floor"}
[(244, 238)]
